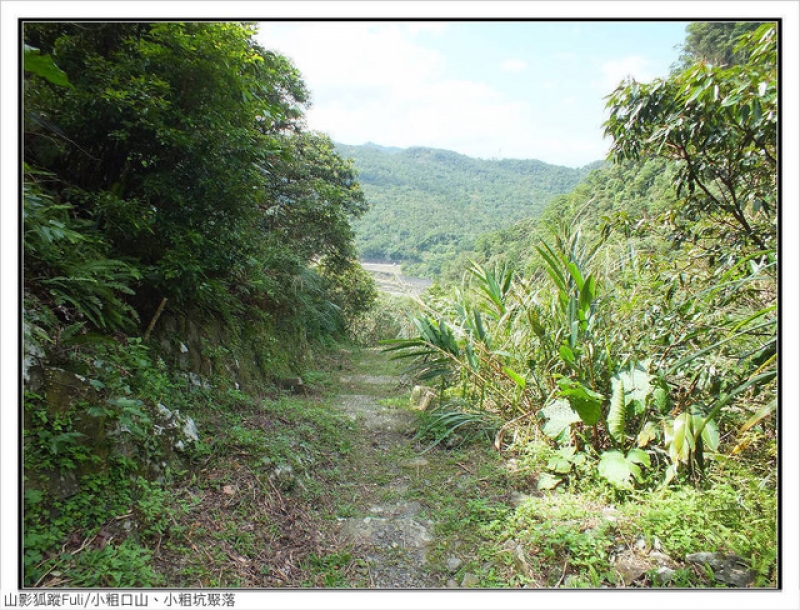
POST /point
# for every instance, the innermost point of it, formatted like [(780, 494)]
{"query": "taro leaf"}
[(616, 412), (637, 456), (586, 402), (617, 470), (560, 416), (548, 481), (637, 387)]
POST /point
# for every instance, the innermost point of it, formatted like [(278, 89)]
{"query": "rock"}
[(422, 397), (640, 544), (517, 499), (291, 385), (630, 566), (32, 372), (712, 559), (521, 561), (453, 563), (190, 429), (63, 485), (664, 575), (469, 580), (731, 569), (734, 574), (229, 490), (656, 544), (660, 558), (451, 584)]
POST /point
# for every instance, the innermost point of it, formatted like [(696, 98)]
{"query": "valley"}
[(428, 206), (389, 279)]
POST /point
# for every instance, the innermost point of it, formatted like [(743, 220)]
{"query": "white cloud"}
[(513, 65), (617, 70), (376, 82), (355, 54)]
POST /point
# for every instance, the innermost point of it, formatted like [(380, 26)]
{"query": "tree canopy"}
[(181, 148)]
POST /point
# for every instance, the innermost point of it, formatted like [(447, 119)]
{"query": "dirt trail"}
[(389, 534)]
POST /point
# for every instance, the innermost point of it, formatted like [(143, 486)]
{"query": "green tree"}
[(715, 42), (181, 144), (160, 141), (719, 124)]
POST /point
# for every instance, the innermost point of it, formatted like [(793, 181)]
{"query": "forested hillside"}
[(427, 206), (625, 194)]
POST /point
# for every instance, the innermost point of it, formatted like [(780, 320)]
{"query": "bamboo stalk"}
[(156, 316)]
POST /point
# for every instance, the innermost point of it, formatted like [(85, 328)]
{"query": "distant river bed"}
[(389, 279)]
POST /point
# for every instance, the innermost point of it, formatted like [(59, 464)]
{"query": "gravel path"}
[(390, 538)]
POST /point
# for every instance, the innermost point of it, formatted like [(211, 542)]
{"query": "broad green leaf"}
[(548, 481), (588, 293), (560, 416), (559, 464), (125, 403), (709, 433), (479, 327), (576, 275), (679, 437), (638, 456), (567, 354), (43, 65), (637, 384), (617, 470), (587, 403)]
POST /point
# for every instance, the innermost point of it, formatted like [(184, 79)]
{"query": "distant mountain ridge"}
[(428, 205)]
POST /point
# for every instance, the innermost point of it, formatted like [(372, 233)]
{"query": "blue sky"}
[(523, 89)]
